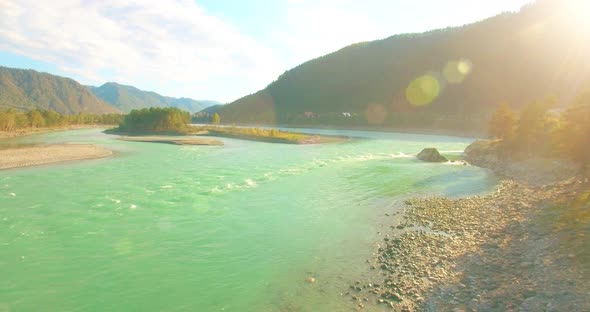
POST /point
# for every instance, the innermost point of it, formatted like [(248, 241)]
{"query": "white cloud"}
[(132, 41)]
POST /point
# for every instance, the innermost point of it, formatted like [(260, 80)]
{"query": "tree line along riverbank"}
[(12, 121)]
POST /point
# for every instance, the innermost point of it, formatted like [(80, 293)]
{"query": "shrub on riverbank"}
[(540, 131)]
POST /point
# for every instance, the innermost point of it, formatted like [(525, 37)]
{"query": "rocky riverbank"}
[(523, 247), (533, 171)]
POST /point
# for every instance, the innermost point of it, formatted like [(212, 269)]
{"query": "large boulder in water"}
[(431, 154), (484, 153)]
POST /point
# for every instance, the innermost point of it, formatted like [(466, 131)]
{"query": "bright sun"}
[(577, 16), (580, 10)]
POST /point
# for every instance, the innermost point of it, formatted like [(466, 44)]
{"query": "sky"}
[(208, 49)]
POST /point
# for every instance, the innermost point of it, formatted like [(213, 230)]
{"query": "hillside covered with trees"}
[(127, 98), (24, 90), (444, 79)]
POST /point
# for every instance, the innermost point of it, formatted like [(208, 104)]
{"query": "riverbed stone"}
[(431, 154)]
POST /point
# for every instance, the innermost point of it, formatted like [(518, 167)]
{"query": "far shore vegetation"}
[(12, 120)]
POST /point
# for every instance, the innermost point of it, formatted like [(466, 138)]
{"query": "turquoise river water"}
[(240, 227)]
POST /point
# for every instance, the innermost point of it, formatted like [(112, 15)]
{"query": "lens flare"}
[(464, 67), (455, 72), (423, 90), (375, 114)]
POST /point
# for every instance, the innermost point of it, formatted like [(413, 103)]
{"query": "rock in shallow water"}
[(431, 154)]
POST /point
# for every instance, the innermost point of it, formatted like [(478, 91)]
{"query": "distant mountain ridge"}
[(513, 57), (26, 89), (127, 98)]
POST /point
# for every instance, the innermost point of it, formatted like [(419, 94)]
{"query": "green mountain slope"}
[(127, 98), (513, 57), (212, 109), (24, 90)]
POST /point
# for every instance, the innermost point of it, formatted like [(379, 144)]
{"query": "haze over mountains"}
[(543, 50), (126, 98), (24, 90)]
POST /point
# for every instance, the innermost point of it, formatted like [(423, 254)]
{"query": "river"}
[(240, 227)]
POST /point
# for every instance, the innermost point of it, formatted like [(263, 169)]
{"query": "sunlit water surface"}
[(194, 228)]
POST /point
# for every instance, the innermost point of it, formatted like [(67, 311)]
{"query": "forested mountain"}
[(212, 109), (24, 90), (191, 105), (127, 98), (449, 78)]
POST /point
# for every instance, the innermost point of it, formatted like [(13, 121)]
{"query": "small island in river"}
[(172, 125)]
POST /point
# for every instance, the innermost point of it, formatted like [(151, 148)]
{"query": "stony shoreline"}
[(498, 252), (475, 254), (50, 154)]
